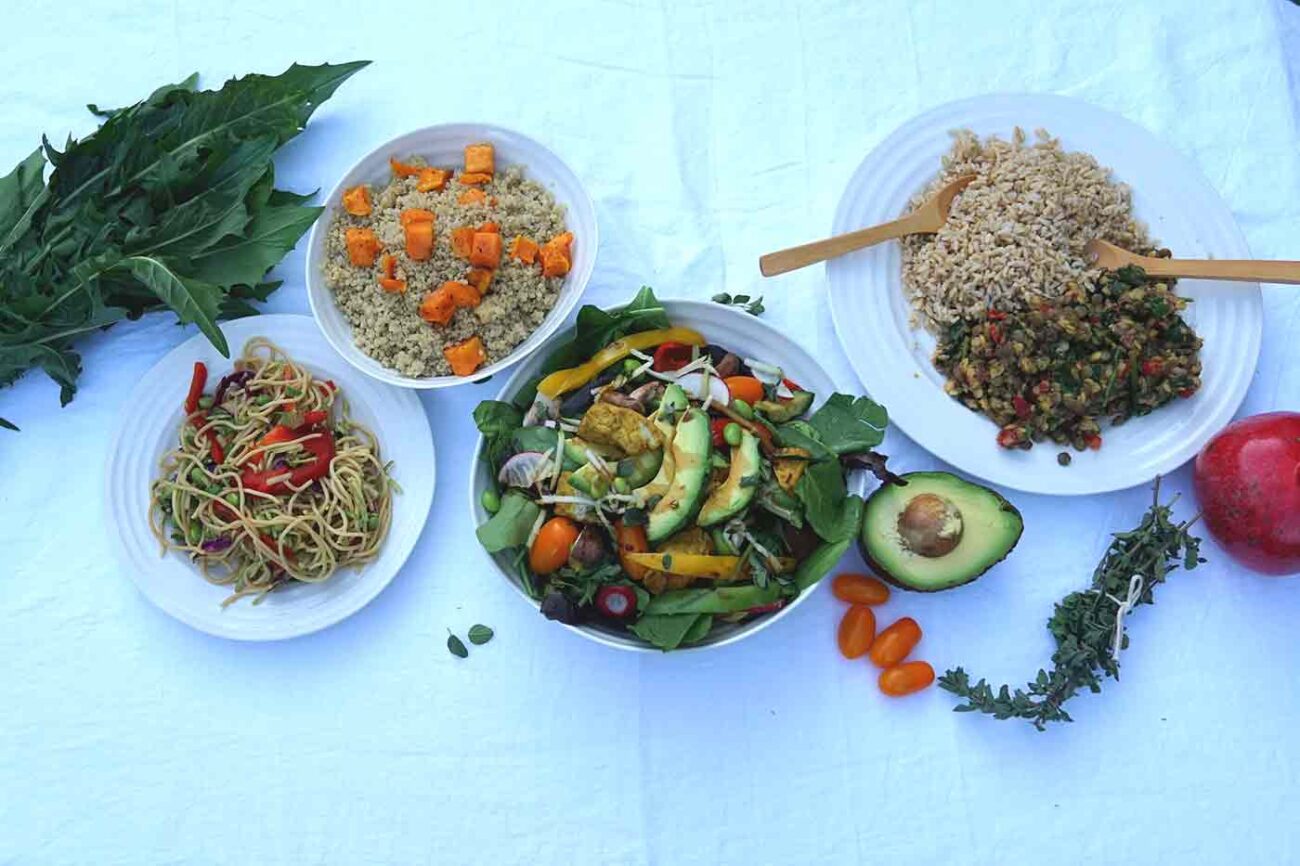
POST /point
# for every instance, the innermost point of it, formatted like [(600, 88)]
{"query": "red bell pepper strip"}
[(218, 453), (320, 445), (277, 434), (316, 416), (197, 383), (671, 356)]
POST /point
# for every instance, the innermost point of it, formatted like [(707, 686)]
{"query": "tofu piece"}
[(625, 429)]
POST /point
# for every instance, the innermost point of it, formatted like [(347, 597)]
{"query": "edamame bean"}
[(491, 501), (621, 485), (743, 409), (194, 534), (205, 402), (372, 521), (197, 478), (630, 366), (731, 434)]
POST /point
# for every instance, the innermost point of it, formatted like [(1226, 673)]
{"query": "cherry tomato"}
[(906, 678), (894, 643), (550, 548), (859, 589), (745, 388), (857, 630), (671, 356)]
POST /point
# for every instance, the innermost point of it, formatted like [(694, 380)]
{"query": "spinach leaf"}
[(497, 422), (700, 629), (822, 491), (511, 525), (801, 434), (820, 562), (668, 632), (847, 425), (724, 599)]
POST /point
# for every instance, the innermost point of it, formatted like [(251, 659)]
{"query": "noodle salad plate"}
[(269, 494), (1161, 428)]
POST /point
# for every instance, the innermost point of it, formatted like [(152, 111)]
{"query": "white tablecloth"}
[(707, 134)]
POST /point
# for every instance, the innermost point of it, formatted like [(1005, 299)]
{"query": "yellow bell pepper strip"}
[(564, 381), (696, 564)]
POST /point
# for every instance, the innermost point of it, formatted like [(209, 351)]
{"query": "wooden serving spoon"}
[(1112, 257), (926, 219)]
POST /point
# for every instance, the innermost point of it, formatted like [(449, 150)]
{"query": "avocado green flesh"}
[(639, 470), (673, 402), (991, 527), (692, 444), (734, 495), (588, 481), (778, 412)]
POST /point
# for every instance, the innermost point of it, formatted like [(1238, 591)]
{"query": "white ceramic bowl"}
[(444, 145), (727, 327)]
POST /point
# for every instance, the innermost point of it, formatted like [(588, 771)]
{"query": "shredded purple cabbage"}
[(216, 545)]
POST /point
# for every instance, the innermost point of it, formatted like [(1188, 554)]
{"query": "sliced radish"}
[(618, 602), (525, 469), (694, 385)]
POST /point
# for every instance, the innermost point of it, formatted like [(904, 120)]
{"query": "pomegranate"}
[(1248, 483)]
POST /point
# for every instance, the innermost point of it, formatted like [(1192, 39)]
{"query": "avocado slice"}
[(638, 470), (780, 411), (587, 481), (575, 451), (936, 532), (691, 447), (734, 495), (673, 403)]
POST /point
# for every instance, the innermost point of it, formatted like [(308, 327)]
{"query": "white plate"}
[(148, 427), (733, 330), (445, 145), (1181, 210)]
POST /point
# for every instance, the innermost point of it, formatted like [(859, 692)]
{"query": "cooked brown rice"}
[(1017, 232)]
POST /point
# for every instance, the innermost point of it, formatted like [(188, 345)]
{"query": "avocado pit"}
[(930, 525)]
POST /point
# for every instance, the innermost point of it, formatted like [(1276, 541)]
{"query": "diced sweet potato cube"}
[(480, 159), (363, 247), (474, 195), (486, 250), (473, 178), (415, 215), (564, 242), (431, 179), (438, 306), (479, 278), (390, 284), (466, 356), (462, 242), (356, 201), (419, 241), (524, 249), (490, 227), (554, 262), (402, 169), (463, 294), (388, 264)]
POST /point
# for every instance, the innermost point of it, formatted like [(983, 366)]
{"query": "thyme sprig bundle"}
[(1088, 625)]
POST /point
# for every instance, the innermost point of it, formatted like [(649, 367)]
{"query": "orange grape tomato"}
[(906, 678), (550, 548), (859, 589), (857, 630), (745, 388), (894, 643)]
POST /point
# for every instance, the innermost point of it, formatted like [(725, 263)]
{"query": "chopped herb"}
[(752, 306), (480, 634), (456, 647)]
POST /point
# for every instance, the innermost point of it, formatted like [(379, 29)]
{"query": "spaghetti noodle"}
[(272, 481)]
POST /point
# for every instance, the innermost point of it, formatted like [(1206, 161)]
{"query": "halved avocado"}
[(936, 532), (735, 494), (692, 444), (780, 411)]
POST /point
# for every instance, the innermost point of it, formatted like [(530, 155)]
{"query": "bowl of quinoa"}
[(448, 254)]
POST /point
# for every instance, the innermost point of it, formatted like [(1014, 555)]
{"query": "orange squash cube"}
[(392, 285), (473, 178), (415, 215), (485, 251), (356, 200), (474, 195), (402, 169), (419, 241), (437, 307), (431, 179), (463, 294), (480, 159), (462, 242), (466, 356), (363, 246), (524, 249), (554, 262), (479, 278)]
